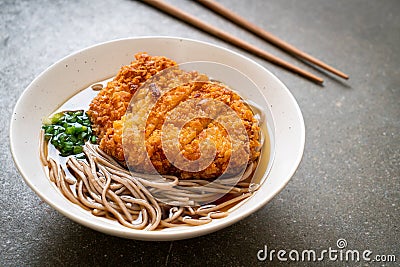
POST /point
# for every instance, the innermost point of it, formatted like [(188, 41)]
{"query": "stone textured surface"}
[(348, 183)]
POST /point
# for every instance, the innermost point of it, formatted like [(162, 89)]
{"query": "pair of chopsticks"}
[(219, 9)]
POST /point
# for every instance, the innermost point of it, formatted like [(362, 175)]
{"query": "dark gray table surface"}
[(347, 185)]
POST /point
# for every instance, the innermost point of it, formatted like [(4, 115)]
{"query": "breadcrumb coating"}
[(140, 137)]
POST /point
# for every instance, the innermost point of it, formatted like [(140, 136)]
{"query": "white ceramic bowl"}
[(75, 72)]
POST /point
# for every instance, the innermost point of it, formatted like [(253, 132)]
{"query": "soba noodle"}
[(106, 189)]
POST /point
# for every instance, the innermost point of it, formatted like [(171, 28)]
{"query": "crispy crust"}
[(113, 100), (107, 115)]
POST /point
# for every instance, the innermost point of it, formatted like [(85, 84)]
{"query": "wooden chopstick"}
[(173, 11), (220, 9)]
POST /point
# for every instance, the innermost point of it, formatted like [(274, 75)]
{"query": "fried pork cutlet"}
[(143, 134)]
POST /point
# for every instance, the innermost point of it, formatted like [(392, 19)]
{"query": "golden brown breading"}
[(157, 135), (141, 137), (112, 101)]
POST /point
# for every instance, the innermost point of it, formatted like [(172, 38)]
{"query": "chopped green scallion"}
[(68, 131)]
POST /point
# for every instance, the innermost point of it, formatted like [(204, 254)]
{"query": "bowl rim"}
[(184, 232)]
